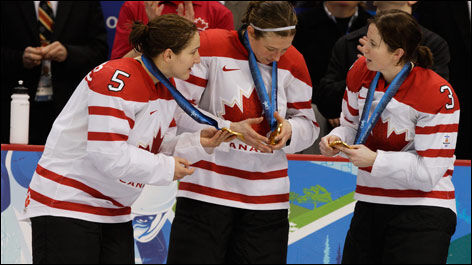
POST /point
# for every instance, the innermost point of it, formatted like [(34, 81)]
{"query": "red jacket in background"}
[(208, 15)]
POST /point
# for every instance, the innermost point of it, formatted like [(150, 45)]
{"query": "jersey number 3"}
[(448, 89)]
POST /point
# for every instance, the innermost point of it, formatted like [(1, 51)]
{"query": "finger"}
[(189, 12), (255, 120), (278, 117), (159, 9), (180, 10)]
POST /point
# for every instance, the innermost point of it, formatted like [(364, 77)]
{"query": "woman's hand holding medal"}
[(281, 134), (250, 136), (211, 137), (359, 154)]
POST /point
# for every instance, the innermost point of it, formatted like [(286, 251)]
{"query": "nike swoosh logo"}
[(152, 112), (227, 70)]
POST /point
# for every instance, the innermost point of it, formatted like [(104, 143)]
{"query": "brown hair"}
[(168, 31), (399, 29), (271, 14)]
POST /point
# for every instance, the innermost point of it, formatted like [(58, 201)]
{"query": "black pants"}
[(382, 233), (67, 240), (209, 233)]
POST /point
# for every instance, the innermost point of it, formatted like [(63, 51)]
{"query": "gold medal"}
[(239, 135), (274, 134), (332, 144)]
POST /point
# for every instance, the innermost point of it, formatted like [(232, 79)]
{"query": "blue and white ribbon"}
[(181, 101), (365, 127), (268, 106)]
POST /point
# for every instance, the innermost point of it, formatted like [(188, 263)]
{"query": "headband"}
[(273, 29)]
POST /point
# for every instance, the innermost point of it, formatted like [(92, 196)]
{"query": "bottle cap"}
[(20, 89)]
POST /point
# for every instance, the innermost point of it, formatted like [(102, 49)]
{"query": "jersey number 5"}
[(117, 80), (444, 88)]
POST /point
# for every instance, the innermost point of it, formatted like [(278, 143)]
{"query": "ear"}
[(167, 55), (398, 54), (250, 32)]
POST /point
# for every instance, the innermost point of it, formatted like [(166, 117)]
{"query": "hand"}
[(327, 150), (360, 155), (153, 9), (334, 122), (211, 137), (284, 135), (181, 168), (185, 10), (251, 137), (54, 51), (32, 57), (362, 42)]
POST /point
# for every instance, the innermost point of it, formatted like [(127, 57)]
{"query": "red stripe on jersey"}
[(299, 105), (107, 111), (348, 120), (436, 153), (78, 207), (74, 184), (448, 195), (441, 128), (448, 173), (352, 111), (240, 173), (316, 124), (101, 136), (277, 198), (197, 81)]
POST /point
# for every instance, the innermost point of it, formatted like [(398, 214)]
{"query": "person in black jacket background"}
[(318, 29), (345, 52), (78, 43)]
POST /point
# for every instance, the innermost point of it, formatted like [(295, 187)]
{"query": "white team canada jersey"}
[(105, 145), (236, 174), (415, 138)]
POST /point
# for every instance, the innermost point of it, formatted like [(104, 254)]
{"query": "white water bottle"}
[(19, 115)]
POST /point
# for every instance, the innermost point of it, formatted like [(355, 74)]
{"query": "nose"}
[(197, 58), (276, 56)]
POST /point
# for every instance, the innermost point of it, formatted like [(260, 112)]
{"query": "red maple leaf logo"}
[(156, 144), (379, 139), (252, 109), (201, 24)]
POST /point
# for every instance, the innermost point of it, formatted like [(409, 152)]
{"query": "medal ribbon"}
[(365, 127), (268, 106), (181, 101)]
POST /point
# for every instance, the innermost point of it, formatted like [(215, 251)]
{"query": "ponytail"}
[(424, 57), (168, 31)]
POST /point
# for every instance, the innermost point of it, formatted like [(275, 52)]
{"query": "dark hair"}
[(399, 29), (271, 14), (168, 31)]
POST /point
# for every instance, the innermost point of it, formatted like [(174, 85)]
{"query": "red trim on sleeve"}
[(102, 136), (441, 128), (107, 111)]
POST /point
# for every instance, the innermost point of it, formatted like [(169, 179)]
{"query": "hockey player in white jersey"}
[(115, 135), (234, 208), (399, 120)]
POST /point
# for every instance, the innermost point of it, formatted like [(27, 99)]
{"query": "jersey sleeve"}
[(300, 114), (350, 109), (112, 111)]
